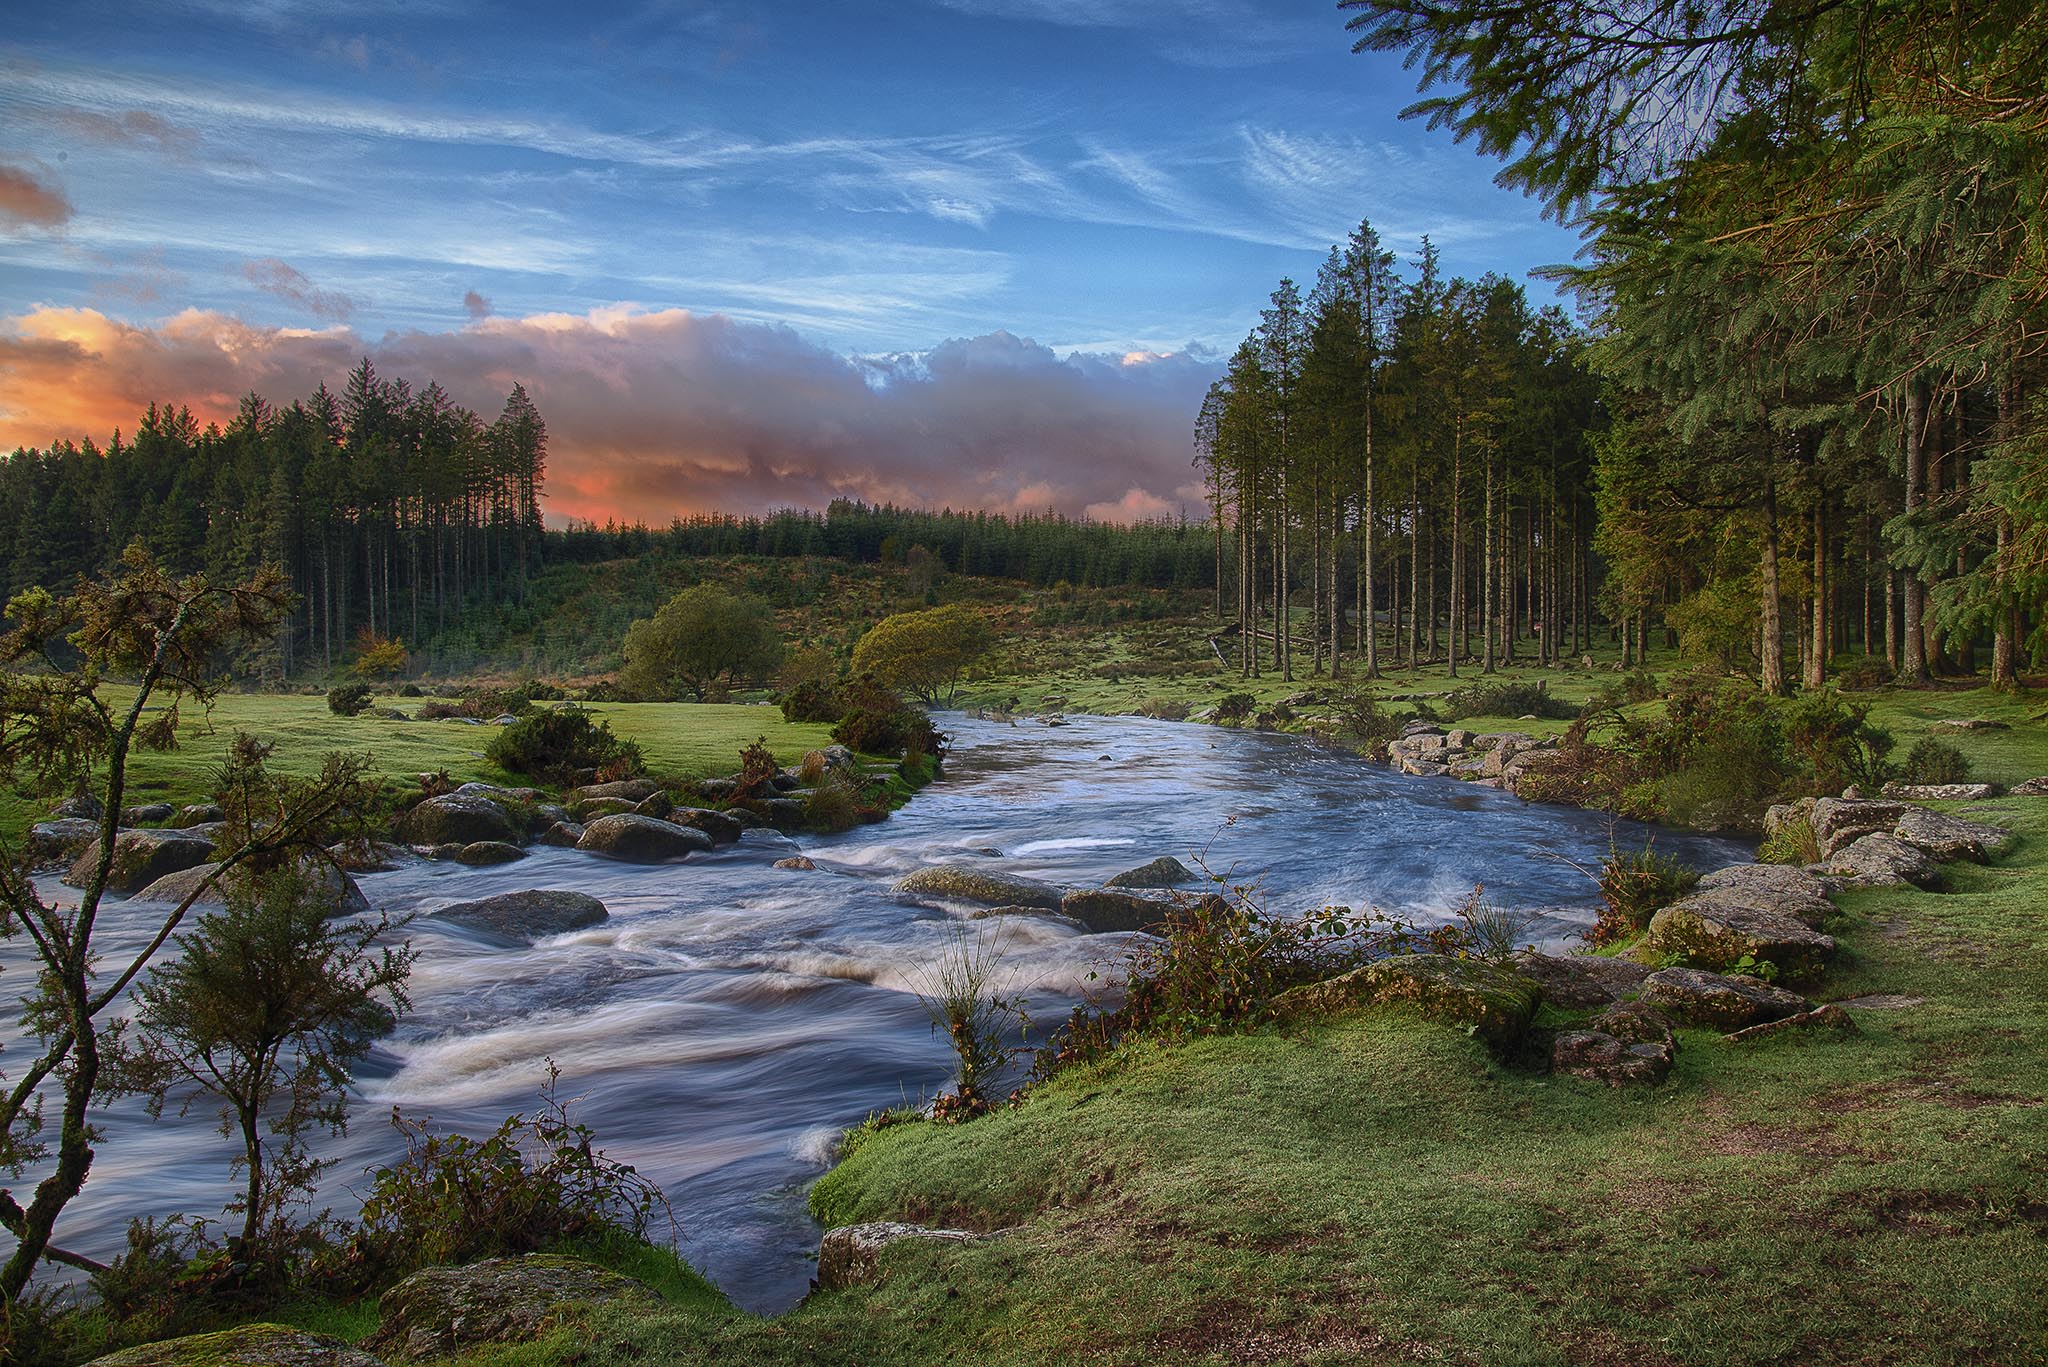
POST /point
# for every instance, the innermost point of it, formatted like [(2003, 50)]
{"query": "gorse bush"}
[(878, 721), (1505, 700), (1836, 740), (1934, 761), (1634, 886), (812, 700), (530, 1185), (350, 699), (562, 746)]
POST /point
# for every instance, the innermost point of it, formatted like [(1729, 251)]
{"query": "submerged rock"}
[(1163, 872), (444, 1310), (1719, 1001), (966, 883), (176, 887), (528, 916), (140, 858), (851, 1255), (641, 839), (1104, 910), (246, 1345)]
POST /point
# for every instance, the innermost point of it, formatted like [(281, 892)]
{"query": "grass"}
[(1380, 1189), (681, 740)]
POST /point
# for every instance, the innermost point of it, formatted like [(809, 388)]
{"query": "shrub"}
[(925, 653), (1634, 886), (757, 770), (350, 699), (378, 656), (812, 700), (878, 721), (1362, 721), (1163, 709), (701, 642), (832, 806), (1863, 671), (604, 690), (1794, 842), (1934, 761), (484, 703), (959, 993), (558, 746), (1505, 700), (442, 711), (531, 1185), (410, 690), (1495, 933), (1836, 739), (1234, 708)]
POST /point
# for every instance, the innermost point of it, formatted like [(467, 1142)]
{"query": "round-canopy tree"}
[(924, 652), (701, 642)]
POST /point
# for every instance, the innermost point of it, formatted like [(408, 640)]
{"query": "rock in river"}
[(444, 1310), (1163, 872), (1103, 910), (142, 857), (483, 854), (641, 839), (61, 839), (176, 887), (528, 916), (457, 819), (987, 887)]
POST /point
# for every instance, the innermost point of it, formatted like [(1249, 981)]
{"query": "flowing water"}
[(731, 1018)]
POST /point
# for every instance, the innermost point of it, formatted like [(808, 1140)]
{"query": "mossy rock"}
[(1718, 929), (641, 839), (1494, 999), (1163, 872), (524, 917), (985, 887), (140, 858), (1103, 910), (457, 819), (246, 1345), (446, 1310)]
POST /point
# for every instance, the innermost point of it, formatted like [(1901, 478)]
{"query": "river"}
[(731, 1018)]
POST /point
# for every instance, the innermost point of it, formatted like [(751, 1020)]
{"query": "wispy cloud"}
[(287, 282), (28, 200)]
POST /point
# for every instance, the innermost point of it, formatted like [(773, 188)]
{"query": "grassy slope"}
[(681, 740), (1378, 1189)]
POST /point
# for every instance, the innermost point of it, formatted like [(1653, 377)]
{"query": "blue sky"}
[(1107, 177)]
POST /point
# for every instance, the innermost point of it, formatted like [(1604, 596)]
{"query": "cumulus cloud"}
[(653, 414), (287, 282), (476, 304), (27, 201)]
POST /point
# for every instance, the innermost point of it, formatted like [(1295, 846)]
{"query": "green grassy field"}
[(1378, 1189), (681, 740)]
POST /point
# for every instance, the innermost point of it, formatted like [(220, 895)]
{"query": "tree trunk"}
[(1771, 636), (1817, 656), (1913, 652)]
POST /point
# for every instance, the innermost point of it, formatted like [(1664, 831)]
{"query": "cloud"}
[(286, 282), (476, 305), (26, 201), (132, 128), (654, 414)]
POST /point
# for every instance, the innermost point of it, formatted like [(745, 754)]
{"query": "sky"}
[(980, 253)]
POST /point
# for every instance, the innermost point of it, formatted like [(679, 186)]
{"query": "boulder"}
[(1779, 886), (1422, 768), (716, 789), (851, 1255), (1782, 814), (174, 888), (1883, 861), (626, 790), (801, 863), (988, 887), (484, 854), (528, 916), (563, 833), (370, 856), (1837, 821), (246, 1345), (445, 1310), (1163, 872), (1829, 1017), (1717, 927), (61, 840), (147, 814), (1104, 910), (1718, 1001), (2033, 787), (1950, 837), (785, 814), (83, 805), (589, 809), (722, 829), (1630, 1043), (198, 814), (641, 839), (1941, 792), (501, 794), (1494, 999), (1582, 980), (457, 819), (140, 858), (1955, 725), (656, 804)]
